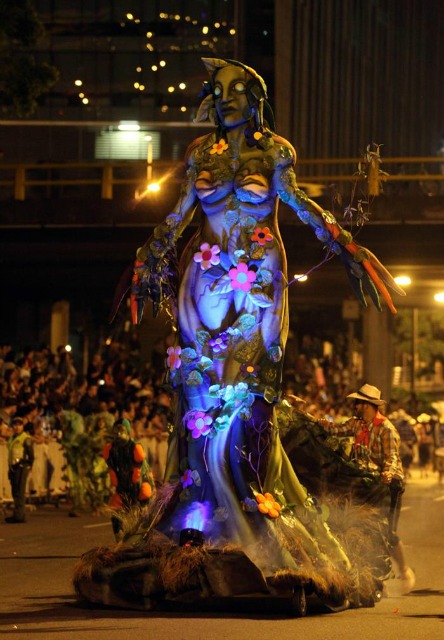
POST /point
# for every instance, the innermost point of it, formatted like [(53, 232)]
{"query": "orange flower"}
[(267, 505), (136, 475), (139, 453), (219, 147), (145, 491), (262, 235)]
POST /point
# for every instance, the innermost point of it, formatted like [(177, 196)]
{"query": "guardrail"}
[(104, 179)]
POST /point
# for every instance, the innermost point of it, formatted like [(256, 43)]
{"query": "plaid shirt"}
[(375, 445)]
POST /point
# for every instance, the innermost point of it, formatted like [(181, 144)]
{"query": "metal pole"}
[(414, 354)]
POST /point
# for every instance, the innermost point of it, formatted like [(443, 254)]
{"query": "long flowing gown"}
[(238, 485)]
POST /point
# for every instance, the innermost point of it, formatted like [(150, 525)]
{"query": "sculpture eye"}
[(240, 87), (217, 91)]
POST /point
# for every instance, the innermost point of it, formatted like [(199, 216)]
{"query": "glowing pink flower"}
[(173, 359), (207, 256), (200, 424), (220, 342), (262, 235), (187, 479), (242, 277)]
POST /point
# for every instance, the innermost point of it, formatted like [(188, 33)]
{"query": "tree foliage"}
[(22, 79), (430, 335)]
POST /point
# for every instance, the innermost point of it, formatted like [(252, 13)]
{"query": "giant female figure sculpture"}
[(233, 481)]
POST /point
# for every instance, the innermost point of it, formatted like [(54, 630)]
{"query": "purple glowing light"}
[(197, 516)]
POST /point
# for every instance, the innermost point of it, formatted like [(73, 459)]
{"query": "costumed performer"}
[(129, 472), (375, 447), (232, 478)]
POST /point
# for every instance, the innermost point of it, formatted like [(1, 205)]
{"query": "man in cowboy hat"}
[(375, 447)]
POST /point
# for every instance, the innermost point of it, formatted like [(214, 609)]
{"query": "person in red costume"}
[(375, 447), (130, 474)]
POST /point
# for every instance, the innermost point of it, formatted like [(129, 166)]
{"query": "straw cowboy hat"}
[(368, 393)]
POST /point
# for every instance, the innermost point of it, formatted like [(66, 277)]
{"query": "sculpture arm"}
[(154, 267), (365, 272)]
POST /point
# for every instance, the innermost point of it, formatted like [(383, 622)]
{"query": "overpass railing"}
[(112, 179)]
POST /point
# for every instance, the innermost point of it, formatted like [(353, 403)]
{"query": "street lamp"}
[(149, 159), (151, 187)]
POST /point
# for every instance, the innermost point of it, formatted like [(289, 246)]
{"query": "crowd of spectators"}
[(55, 400), (53, 397)]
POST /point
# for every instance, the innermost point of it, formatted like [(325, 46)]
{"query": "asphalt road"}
[(37, 598)]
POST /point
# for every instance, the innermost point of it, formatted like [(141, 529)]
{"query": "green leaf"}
[(196, 477), (205, 363), (214, 390), (269, 394), (259, 298), (194, 379), (274, 353), (214, 272), (231, 217), (237, 255), (221, 286), (188, 355), (247, 321), (265, 277), (257, 252), (245, 413), (248, 223), (184, 495), (202, 337), (235, 335)]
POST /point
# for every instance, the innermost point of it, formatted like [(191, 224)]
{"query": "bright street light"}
[(128, 125)]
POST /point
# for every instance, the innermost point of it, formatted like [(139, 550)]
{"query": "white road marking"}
[(93, 526)]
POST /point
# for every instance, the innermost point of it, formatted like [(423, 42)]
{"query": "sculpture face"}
[(230, 96)]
